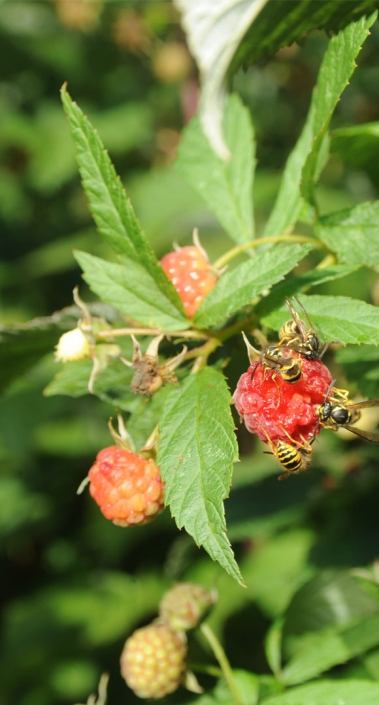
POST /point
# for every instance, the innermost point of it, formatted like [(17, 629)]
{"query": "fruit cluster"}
[(127, 487), (153, 660), (287, 396)]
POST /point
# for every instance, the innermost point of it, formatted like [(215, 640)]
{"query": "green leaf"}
[(317, 604), (111, 209), (336, 70), (282, 23), (357, 145), (273, 646), (225, 186), (329, 692), (213, 37), (322, 650), (296, 285), (197, 449), (352, 234), (337, 318), (112, 384), (247, 686), (303, 163), (239, 286), (130, 288), (72, 380), (22, 345), (361, 365), (330, 620)]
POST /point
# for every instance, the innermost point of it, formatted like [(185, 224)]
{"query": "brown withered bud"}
[(149, 376)]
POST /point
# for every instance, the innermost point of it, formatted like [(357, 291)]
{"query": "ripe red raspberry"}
[(268, 403), (153, 661), (189, 271), (185, 605), (127, 487)]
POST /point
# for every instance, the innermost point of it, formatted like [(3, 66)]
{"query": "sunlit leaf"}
[(130, 288), (239, 286), (225, 186), (337, 318), (197, 449), (352, 234)]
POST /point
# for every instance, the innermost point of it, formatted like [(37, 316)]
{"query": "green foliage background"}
[(73, 585)]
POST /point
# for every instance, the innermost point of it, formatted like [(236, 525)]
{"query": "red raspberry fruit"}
[(269, 404), (153, 661), (189, 271), (127, 487), (185, 605)]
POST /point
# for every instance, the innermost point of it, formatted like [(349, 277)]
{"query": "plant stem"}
[(261, 241), (208, 669), (329, 260), (221, 657), (118, 332)]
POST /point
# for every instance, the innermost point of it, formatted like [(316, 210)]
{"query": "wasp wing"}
[(367, 435)]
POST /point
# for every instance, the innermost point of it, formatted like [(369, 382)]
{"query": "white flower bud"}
[(72, 346)]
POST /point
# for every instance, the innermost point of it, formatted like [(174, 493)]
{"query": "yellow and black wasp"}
[(294, 457), (272, 358), (338, 412), (295, 335)]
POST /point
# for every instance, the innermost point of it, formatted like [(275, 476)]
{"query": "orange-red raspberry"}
[(189, 271), (270, 405), (153, 661), (127, 487)]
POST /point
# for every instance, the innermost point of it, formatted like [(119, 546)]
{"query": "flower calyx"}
[(149, 376)]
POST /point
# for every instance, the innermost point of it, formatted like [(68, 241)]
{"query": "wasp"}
[(294, 457), (294, 334), (338, 412), (272, 358)]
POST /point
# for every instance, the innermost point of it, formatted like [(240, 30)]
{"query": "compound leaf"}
[(130, 288), (225, 186), (197, 449), (337, 318), (353, 234), (337, 67), (308, 148), (329, 692), (239, 286), (111, 209)]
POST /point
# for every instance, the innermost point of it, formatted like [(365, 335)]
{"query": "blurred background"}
[(73, 586)]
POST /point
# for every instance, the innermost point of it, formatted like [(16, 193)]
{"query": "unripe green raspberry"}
[(72, 346), (185, 605), (153, 661)]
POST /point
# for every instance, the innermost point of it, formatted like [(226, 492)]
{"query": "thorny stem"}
[(118, 332), (224, 259), (222, 659)]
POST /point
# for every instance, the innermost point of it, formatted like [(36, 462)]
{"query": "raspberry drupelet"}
[(127, 487), (271, 407), (190, 273)]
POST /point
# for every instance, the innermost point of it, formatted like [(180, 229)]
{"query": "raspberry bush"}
[(157, 338)]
